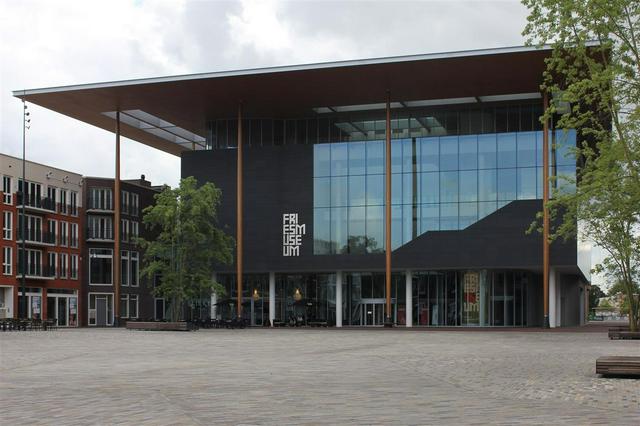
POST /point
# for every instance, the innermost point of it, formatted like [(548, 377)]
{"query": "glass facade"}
[(438, 184)]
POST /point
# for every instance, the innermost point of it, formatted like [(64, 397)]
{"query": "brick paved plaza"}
[(285, 376)]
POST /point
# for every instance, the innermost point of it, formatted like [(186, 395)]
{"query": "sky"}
[(55, 43)]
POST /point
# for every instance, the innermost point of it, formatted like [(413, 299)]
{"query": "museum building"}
[(394, 191)]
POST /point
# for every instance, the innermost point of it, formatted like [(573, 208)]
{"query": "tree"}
[(594, 296), (595, 67), (188, 243)]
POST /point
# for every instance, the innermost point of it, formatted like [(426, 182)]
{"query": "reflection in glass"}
[(448, 186), (468, 152), (357, 193), (527, 183), (339, 191), (429, 154), (339, 159), (469, 185), (449, 153), (507, 184), (526, 149), (506, 150), (487, 152), (448, 216), (322, 192)]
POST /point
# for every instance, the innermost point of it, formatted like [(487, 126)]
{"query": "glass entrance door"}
[(373, 313)]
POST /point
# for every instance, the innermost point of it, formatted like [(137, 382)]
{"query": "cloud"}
[(45, 43)]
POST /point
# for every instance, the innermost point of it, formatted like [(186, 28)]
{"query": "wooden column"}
[(239, 214), (387, 207), (545, 209), (116, 229)]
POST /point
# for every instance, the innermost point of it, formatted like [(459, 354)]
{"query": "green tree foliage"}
[(594, 296), (188, 243), (595, 66)]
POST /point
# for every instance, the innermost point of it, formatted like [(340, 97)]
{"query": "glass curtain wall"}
[(255, 298), (471, 298), (438, 184), (364, 299), (307, 299)]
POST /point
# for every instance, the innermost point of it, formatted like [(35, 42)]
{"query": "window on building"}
[(73, 203), (7, 190), (124, 268), (7, 225), (64, 233), (73, 269), (135, 204), (100, 266), (33, 228), (134, 275), (64, 265), (63, 201), (31, 195), (101, 199), (129, 306), (124, 229), (135, 231), (100, 228), (52, 231), (7, 261), (33, 263), (53, 264), (125, 197), (52, 193), (73, 235)]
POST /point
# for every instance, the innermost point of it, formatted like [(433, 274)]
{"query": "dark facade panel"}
[(279, 180)]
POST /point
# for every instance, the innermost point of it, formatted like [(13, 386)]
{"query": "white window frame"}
[(63, 201), (64, 233), (7, 261), (124, 256), (110, 318), (101, 199), (73, 203), (73, 235), (137, 299), (132, 255), (135, 230), (135, 204), (124, 233), (7, 190), (100, 227), (64, 265), (7, 231), (73, 268), (54, 263), (52, 225)]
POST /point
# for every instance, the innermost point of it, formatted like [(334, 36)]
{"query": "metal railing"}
[(97, 233), (37, 236), (30, 200)]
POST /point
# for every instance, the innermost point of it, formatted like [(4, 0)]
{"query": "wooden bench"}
[(623, 333), (618, 366), (158, 326)]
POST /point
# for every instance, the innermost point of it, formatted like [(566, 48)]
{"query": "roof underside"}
[(171, 113)]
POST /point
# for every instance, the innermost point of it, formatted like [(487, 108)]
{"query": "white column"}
[(558, 302), (214, 300), (339, 299), (552, 298), (408, 283), (272, 297)]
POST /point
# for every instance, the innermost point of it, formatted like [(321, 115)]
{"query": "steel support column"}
[(387, 206), (545, 209), (116, 229), (239, 194)]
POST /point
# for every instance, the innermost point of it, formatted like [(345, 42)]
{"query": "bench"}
[(158, 326), (618, 366), (623, 333)]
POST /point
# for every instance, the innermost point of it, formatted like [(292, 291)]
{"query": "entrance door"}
[(101, 311), (62, 311), (373, 314)]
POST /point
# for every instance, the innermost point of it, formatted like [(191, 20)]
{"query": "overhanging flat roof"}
[(170, 113)]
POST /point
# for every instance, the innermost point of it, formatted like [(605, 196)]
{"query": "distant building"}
[(53, 215), (136, 299)]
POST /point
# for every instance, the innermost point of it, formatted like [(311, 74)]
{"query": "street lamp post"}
[(23, 195)]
